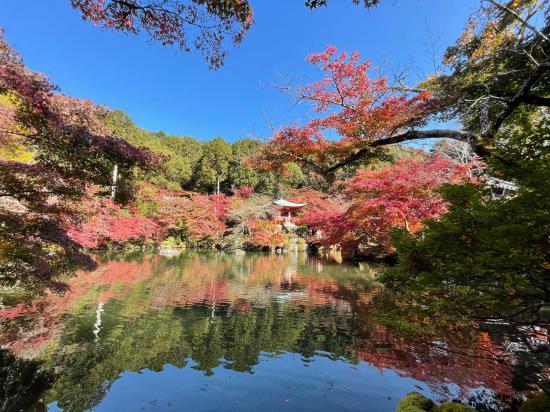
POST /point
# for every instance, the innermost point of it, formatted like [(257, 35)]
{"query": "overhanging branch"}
[(521, 96), (426, 134), (537, 100), (403, 137)]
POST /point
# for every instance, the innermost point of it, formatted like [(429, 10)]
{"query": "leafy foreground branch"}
[(59, 148)]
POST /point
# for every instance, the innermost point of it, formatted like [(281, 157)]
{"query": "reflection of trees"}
[(441, 364), (231, 339), (221, 310), (22, 382)]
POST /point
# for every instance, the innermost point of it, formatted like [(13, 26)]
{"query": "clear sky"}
[(162, 89)]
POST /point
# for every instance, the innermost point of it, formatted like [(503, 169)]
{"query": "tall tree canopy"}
[(67, 150), (367, 113), (498, 69), (213, 168), (488, 257)]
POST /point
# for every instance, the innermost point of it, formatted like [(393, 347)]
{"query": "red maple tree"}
[(204, 24), (365, 113), (106, 221), (399, 195)]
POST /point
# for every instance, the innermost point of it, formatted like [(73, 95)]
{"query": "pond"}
[(212, 331)]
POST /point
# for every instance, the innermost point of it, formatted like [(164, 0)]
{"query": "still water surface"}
[(211, 332)]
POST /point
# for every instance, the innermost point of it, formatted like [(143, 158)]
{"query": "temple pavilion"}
[(287, 207)]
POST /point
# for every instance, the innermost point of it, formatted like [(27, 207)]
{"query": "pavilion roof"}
[(287, 203)]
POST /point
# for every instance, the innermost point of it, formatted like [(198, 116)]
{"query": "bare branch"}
[(519, 18)]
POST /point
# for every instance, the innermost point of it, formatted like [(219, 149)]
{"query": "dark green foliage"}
[(496, 67), (540, 403), (415, 402), (489, 256), (453, 407), (21, 382), (240, 173)]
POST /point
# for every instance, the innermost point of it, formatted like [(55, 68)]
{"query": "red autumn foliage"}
[(399, 195), (204, 24), (265, 233), (363, 111), (69, 152), (107, 222), (204, 217), (317, 204), (244, 192)]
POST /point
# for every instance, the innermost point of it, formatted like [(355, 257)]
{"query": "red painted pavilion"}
[(287, 207)]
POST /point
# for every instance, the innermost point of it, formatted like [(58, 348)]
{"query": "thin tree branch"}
[(536, 100), (521, 19), (517, 99), (403, 137)]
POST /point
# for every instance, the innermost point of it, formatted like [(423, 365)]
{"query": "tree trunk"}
[(113, 182), (407, 225)]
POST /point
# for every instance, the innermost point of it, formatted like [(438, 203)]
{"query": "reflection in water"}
[(22, 382), (214, 331)]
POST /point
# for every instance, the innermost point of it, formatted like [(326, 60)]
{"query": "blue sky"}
[(162, 89)]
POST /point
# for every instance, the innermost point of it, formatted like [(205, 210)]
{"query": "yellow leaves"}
[(491, 41), (14, 150), (5, 248), (546, 265), (9, 100), (13, 146)]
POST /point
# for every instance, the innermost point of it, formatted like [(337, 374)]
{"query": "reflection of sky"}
[(315, 384)]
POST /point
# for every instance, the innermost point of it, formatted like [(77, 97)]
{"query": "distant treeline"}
[(196, 165)]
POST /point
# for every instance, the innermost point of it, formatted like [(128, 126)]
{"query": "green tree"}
[(490, 256), (240, 173), (181, 152), (213, 168)]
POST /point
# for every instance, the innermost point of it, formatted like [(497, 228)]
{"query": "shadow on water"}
[(23, 381), (216, 331)]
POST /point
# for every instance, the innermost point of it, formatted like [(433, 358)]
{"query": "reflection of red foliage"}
[(440, 364), (242, 305), (46, 312), (211, 281)]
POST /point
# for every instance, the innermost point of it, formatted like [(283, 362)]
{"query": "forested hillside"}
[(196, 164)]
